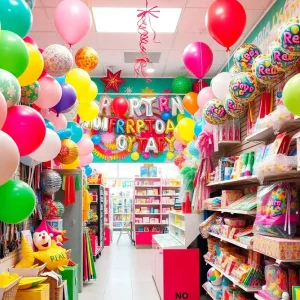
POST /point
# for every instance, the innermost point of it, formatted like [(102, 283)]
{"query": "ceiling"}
[(111, 46)]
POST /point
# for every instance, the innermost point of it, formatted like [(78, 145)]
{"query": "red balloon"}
[(28, 39), (199, 85), (120, 106), (26, 127), (44, 73), (226, 21)]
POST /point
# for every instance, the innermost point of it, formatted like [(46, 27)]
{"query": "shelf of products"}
[(234, 211), (208, 291), (231, 241)]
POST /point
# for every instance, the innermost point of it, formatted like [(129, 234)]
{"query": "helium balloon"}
[(28, 161), (193, 150), (290, 95), (26, 127), (30, 93), (29, 40), (17, 211), (204, 96), (289, 35), (71, 166), (96, 139), (34, 68), (76, 130), (234, 108), (3, 110), (64, 133), (190, 102), (14, 56), (198, 127), (226, 21), (233, 70), (61, 79), (199, 85), (198, 58), (185, 129), (85, 146), (67, 99), (88, 170), (44, 73), (179, 117), (58, 60), (244, 57), (10, 88), (178, 137), (49, 125), (71, 115), (68, 153), (135, 156), (220, 86), (166, 115), (86, 160), (181, 85), (214, 112), (87, 59), (9, 157), (15, 16), (120, 106), (59, 121), (88, 112), (79, 79), (89, 95)]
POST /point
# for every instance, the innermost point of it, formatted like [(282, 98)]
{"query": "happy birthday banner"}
[(135, 126)]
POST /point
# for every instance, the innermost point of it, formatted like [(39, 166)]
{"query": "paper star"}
[(148, 93), (128, 90), (112, 81)]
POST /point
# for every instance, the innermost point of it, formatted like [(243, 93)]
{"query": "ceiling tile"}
[(220, 57), (136, 3), (44, 39), (40, 20), (54, 3), (192, 20), (38, 3), (256, 4), (184, 39), (198, 3)]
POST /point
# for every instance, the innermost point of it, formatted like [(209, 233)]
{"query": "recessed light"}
[(150, 68), (111, 19)]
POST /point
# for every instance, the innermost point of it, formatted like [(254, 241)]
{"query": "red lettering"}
[(150, 123), (111, 124), (141, 143)]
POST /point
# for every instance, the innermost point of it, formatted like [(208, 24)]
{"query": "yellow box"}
[(40, 292)]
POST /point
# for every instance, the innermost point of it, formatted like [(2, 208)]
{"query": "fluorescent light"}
[(150, 68), (116, 19)]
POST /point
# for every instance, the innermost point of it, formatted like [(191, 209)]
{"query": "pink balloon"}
[(50, 92), (86, 160), (3, 110), (85, 146), (59, 122), (198, 58), (73, 20), (205, 95)]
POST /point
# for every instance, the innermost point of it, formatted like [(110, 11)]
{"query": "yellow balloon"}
[(71, 166), (89, 95), (135, 156), (35, 66), (170, 155), (79, 79), (179, 117), (178, 137), (88, 112), (185, 129)]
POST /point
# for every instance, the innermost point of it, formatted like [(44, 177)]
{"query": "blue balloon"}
[(76, 131), (49, 125), (64, 133), (187, 114), (96, 139), (28, 161), (192, 148), (61, 79), (88, 170), (166, 115), (198, 127)]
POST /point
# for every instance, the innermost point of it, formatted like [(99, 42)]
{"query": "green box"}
[(70, 274)]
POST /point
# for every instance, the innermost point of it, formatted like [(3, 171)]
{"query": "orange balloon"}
[(190, 103), (87, 59), (178, 137)]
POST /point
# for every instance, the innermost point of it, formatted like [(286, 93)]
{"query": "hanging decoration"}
[(244, 57), (112, 81)]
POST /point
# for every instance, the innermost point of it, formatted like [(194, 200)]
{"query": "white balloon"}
[(134, 107), (121, 142), (9, 157), (104, 104), (49, 149), (176, 103), (148, 105), (151, 145), (71, 115), (160, 126), (220, 85)]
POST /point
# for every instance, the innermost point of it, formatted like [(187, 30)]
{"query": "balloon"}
[(85, 146), (30, 93), (10, 88), (185, 129), (61, 79), (71, 166), (264, 71), (86, 160), (49, 125), (14, 56), (34, 68), (290, 95), (178, 137), (49, 148), (67, 99), (73, 20), (234, 108), (58, 60), (244, 87), (135, 156), (199, 85), (96, 139), (193, 150), (3, 110), (214, 112), (50, 92), (88, 112), (289, 35), (198, 58), (15, 16), (59, 121), (220, 86), (244, 57), (181, 85), (166, 115), (79, 79), (198, 127), (68, 153), (89, 95), (44, 73), (71, 115), (28, 161), (232, 71), (23, 204), (29, 40), (88, 170), (120, 106), (190, 102), (204, 96), (26, 127), (87, 59), (76, 130), (226, 21), (64, 134), (9, 158), (179, 117)]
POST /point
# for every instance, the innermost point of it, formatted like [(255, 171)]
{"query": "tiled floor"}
[(123, 273)]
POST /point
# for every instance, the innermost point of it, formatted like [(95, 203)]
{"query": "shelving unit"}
[(207, 291), (234, 211), (107, 218), (231, 241)]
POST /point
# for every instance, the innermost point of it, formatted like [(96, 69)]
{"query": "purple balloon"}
[(67, 99)]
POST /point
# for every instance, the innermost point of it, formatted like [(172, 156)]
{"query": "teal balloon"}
[(96, 139), (76, 131), (290, 95), (198, 127), (192, 148), (49, 125), (15, 16), (88, 170), (61, 79), (187, 114)]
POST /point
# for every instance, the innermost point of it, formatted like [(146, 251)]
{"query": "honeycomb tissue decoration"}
[(50, 181), (60, 209)]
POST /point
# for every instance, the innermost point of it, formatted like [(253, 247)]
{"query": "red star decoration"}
[(112, 81)]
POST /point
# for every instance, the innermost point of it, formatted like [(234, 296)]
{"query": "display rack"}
[(107, 217)]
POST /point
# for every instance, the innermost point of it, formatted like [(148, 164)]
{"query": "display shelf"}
[(208, 292), (148, 214), (241, 180), (234, 280), (147, 186), (234, 211), (150, 224), (224, 145), (171, 186), (145, 204), (179, 227), (231, 241), (148, 195), (170, 195)]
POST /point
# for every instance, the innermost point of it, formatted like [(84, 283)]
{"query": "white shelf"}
[(231, 241), (234, 211), (208, 292), (223, 145), (181, 228), (241, 180), (234, 280)]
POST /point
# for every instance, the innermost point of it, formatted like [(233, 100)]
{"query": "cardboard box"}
[(40, 292)]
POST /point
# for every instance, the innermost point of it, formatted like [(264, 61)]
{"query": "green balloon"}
[(16, 16), (14, 56), (181, 85), (17, 201), (10, 88), (290, 95)]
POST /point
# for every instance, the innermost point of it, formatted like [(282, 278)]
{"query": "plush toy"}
[(27, 253)]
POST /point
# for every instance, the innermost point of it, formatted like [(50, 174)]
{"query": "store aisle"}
[(124, 272)]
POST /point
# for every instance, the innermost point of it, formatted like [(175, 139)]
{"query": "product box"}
[(152, 171), (40, 292), (296, 292), (144, 171), (56, 223), (230, 196), (277, 248)]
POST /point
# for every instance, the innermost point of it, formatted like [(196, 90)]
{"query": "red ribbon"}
[(142, 62)]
